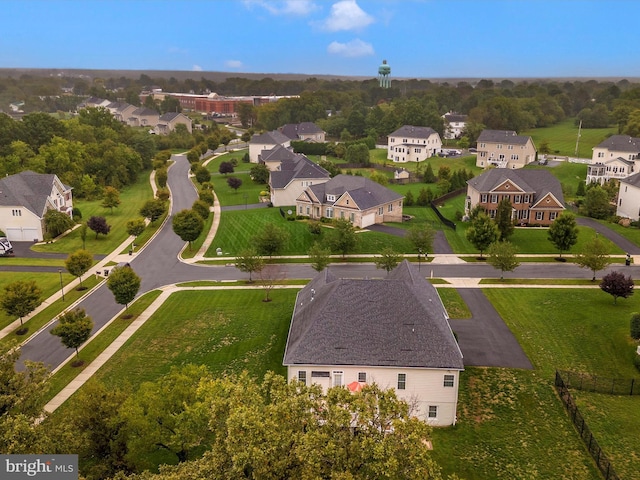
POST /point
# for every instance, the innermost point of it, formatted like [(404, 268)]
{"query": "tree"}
[(270, 276), (502, 256), (162, 175), (234, 182), (188, 225), (634, 327), (358, 153), (136, 226), (319, 256), (380, 178), (271, 240), (617, 285), (225, 167), (482, 232), (595, 256), (110, 198), (425, 196), (260, 173), (78, 263), (563, 232), (408, 199), (201, 208), (428, 176), (202, 174), (580, 190), (249, 261), (596, 202), (153, 209), (388, 259), (504, 219), (342, 239), (124, 284), (74, 328), (20, 298), (99, 225), (82, 229), (56, 223), (421, 236)]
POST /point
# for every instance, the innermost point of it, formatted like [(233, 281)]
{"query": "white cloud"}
[(197, 68), (299, 8), (346, 15), (233, 64), (354, 48)]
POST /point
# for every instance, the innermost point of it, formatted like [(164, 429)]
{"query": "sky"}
[(419, 38)]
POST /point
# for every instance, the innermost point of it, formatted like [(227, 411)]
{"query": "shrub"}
[(207, 197), (161, 177), (76, 214), (635, 326), (163, 194), (201, 208), (202, 174), (314, 228)]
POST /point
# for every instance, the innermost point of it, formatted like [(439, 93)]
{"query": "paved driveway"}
[(485, 340)]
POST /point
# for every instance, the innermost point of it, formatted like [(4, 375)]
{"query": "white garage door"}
[(368, 219), (21, 234)]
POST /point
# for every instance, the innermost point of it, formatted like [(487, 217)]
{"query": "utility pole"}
[(578, 139)]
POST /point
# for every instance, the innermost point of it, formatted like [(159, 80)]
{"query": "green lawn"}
[(248, 193), (132, 198), (228, 331), (568, 174), (562, 138)]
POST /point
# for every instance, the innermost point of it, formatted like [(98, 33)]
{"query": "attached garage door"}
[(368, 219), (22, 234)]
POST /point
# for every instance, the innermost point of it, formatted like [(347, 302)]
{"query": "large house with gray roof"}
[(393, 332), (291, 175), (413, 144), (504, 149), (617, 157), (535, 195), (358, 199), (24, 199), (454, 125), (266, 141), (305, 131), (629, 197), (168, 122)]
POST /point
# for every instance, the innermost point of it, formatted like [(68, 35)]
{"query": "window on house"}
[(380, 210), (402, 381), (338, 379), (433, 411), (484, 197), (539, 215), (418, 150), (600, 154), (341, 214), (509, 147), (552, 215), (527, 198), (302, 376), (347, 201), (318, 374), (482, 145), (499, 147), (331, 198), (492, 213), (494, 198), (483, 154), (448, 380), (517, 198), (300, 209), (390, 207), (620, 203), (308, 210), (16, 212), (362, 377), (352, 217), (514, 156)]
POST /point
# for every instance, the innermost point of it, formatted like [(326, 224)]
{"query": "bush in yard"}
[(99, 225), (161, 177), (56, 223), (225, 167), (635, 326), (201, 208), (314, 227), (206, 196), (76, 214), (617, 285), (202, 174), (163, 194)]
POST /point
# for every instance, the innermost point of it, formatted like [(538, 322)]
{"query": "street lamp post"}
[(419, 258), (61, 284)]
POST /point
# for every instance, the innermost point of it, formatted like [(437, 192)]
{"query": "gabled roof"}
[(396, 322), (366, 193), (454, 117), (277, 154), (295, 130), (413, 132), (171, 116), (539, 182), (299, 168), (502, 136), (144, 111), (270, 138), (621, 143), (633, 180), (27, 189)]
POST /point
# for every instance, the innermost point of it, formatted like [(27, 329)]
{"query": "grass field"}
[(131, 200), (562, 138)]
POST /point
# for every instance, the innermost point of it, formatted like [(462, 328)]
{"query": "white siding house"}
[(413, 144), (629, 197)]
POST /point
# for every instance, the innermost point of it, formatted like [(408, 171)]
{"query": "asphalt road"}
[(158, 265)]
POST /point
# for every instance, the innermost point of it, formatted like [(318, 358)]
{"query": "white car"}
[(5, 246)]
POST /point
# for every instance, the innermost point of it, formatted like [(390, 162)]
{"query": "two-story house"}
[(305, 131), (413, 144), (617, 157), (535, 195), (361, 201), (629, 197), (24, 199), (266, 141), (291, 175), (504, 149), (454, 125), (393, 332), (168, 122)]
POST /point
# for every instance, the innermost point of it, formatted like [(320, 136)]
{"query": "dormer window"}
[(331, 198)]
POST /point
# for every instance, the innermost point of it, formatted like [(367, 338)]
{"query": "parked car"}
[(5, 246)]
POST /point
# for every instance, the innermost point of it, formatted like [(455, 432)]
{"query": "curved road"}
[(158, 265)]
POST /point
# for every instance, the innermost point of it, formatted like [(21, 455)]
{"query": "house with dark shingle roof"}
[(393, 332), (305, 131), (361, 201), (413, 144), (504, 149), (535, 195), (24, 199), (291, 176), (266, 141), (629, 197), (143, 117), (616, 157), (168, 122), (454, 124)]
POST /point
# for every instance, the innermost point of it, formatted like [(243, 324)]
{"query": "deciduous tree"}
[(319, 256), (270, 276), (342, 239), (99, 225), (421, 236), (153, 209), (56, 223), (502, 256), (482, 232), (136, 226), (563, 232), (249, 261), (617, 285), (188, 225), (504, 219), (595, 256), (78, 263), (259, 173), (225, 167), (202, 174), (234, 182), (388, 259), (124, 284), (74, 328), (20, 298), (110, 198), (271, 240)]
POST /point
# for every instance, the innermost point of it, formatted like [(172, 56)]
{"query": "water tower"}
[(384, 71)]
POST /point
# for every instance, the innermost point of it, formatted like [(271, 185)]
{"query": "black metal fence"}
[(594, 383), (446, 196), (602, 461)]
